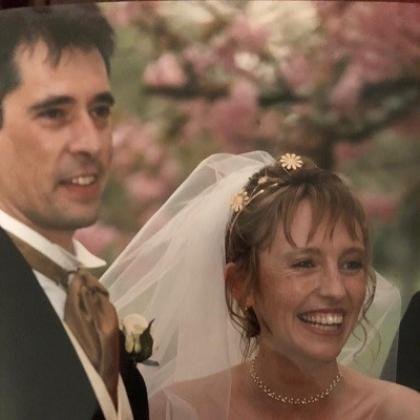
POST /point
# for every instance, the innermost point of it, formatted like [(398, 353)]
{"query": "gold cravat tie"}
[(88, 313)]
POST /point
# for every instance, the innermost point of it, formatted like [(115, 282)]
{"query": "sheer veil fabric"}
[(172, 272)]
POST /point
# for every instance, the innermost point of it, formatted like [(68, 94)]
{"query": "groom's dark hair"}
[(62, 26)]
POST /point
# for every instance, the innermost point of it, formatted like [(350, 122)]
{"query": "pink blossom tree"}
[(338, 81)]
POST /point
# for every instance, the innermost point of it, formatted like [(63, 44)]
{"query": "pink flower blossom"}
[(381, 38), (298, 71), (234, 118), (248, 36), (196, 112), (344, 151), (380, 206), (134, 140), (269, 125), (201, 59), (346, 92), (126, 12), (144, 187), (135, 134), (153, 154), (410, 125), (225, 51), (98, 237), (169, 170), (166, 71)]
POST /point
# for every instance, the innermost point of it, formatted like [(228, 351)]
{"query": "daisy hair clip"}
[(288, 161)]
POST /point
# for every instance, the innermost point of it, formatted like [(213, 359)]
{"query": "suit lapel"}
[(134, 385), (40, 374)]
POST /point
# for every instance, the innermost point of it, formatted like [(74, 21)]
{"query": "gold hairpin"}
[(291, 161), (288, 161), (239, 201)]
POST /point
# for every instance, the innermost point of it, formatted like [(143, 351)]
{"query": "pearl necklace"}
[(292, 400)]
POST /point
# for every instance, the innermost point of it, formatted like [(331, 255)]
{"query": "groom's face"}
[(55, 141)]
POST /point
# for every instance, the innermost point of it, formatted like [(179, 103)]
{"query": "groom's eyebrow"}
[(104, 97), (58, 100), (51, 102)]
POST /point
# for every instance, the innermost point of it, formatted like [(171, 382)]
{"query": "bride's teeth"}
[(323, 319), (83, 180)]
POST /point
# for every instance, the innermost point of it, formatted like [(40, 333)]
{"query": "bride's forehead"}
[(305, 227)]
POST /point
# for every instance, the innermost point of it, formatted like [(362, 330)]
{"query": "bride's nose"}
[(331, 283)]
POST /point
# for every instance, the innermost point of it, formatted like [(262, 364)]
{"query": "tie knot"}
[(82, 278)]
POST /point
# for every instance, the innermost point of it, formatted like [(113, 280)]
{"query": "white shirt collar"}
[(82, 257)]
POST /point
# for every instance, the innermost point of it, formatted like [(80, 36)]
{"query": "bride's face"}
[(310, 295)]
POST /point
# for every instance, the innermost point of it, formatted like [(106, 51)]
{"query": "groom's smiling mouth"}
[(83, 186)]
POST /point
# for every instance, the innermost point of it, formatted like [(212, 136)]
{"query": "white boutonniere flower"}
[(138, 338)]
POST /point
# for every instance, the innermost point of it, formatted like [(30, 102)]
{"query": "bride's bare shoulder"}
[(393, 401), (398, 402)]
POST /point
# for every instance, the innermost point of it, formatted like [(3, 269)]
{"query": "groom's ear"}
[(236, 285)]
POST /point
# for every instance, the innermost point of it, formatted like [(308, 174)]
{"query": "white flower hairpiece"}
[(291, 161), (239, 201)]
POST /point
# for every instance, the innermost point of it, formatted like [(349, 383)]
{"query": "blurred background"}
[(338, 81)]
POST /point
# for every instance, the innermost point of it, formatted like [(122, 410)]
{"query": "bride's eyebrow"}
[(305, 251), (359, 250)]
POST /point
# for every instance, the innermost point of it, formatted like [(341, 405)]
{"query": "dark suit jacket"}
[(41, 377), (408, 361)]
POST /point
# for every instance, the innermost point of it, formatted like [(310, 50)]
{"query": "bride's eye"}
[(303, 264), (353, 265)]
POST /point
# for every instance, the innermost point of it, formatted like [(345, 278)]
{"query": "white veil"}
[(172, 272)]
